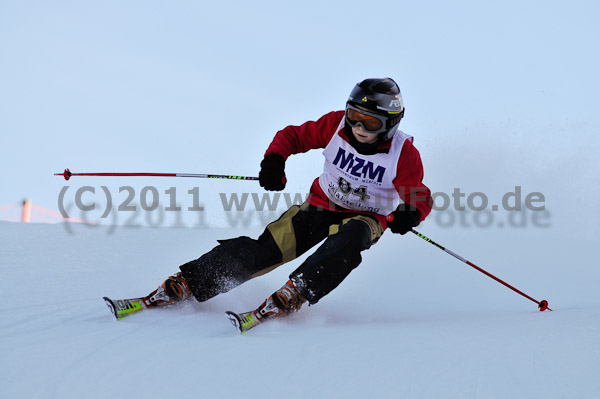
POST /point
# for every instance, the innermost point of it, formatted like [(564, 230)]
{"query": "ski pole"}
[(67, 175), (542, 305)]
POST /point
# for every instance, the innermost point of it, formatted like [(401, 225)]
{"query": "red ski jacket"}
[(314, 135)]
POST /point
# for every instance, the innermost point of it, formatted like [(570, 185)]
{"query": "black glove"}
[(272, 175), (405, 217)]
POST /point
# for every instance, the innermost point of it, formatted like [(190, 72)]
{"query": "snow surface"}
[(410, 322)]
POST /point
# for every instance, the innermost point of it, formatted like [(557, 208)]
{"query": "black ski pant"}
[(300, 228)]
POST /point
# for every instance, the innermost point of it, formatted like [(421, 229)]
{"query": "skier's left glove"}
[(403, 219), (272, 173)]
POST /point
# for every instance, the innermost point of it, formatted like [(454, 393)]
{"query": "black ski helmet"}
[(380, 96)]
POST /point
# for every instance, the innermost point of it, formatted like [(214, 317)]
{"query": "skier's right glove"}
[(403, 219), (272, 174)]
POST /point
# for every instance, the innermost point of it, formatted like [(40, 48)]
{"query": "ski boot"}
[(282, 303), (174, 290)]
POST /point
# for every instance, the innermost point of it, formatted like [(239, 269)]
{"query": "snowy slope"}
[(420, 325)]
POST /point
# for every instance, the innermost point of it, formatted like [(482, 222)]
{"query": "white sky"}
[(497, 95)]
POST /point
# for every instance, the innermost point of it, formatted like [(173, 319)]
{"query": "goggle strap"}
[(395, 120)]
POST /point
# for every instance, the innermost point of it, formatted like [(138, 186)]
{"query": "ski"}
[(243, 321), (122, 308)]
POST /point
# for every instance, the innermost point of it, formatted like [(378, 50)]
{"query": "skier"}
[(371, 170)]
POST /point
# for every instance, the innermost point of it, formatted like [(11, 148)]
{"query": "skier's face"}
[(363, 136)]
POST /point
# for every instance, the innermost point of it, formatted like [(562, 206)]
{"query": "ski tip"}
[(243, 321), (111, 306), (122, 308), (236, 320)]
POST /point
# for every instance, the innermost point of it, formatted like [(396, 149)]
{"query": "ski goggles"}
[(372, 123)]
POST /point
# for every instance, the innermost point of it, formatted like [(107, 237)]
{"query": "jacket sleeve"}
[(310, 135), (409, 180)]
